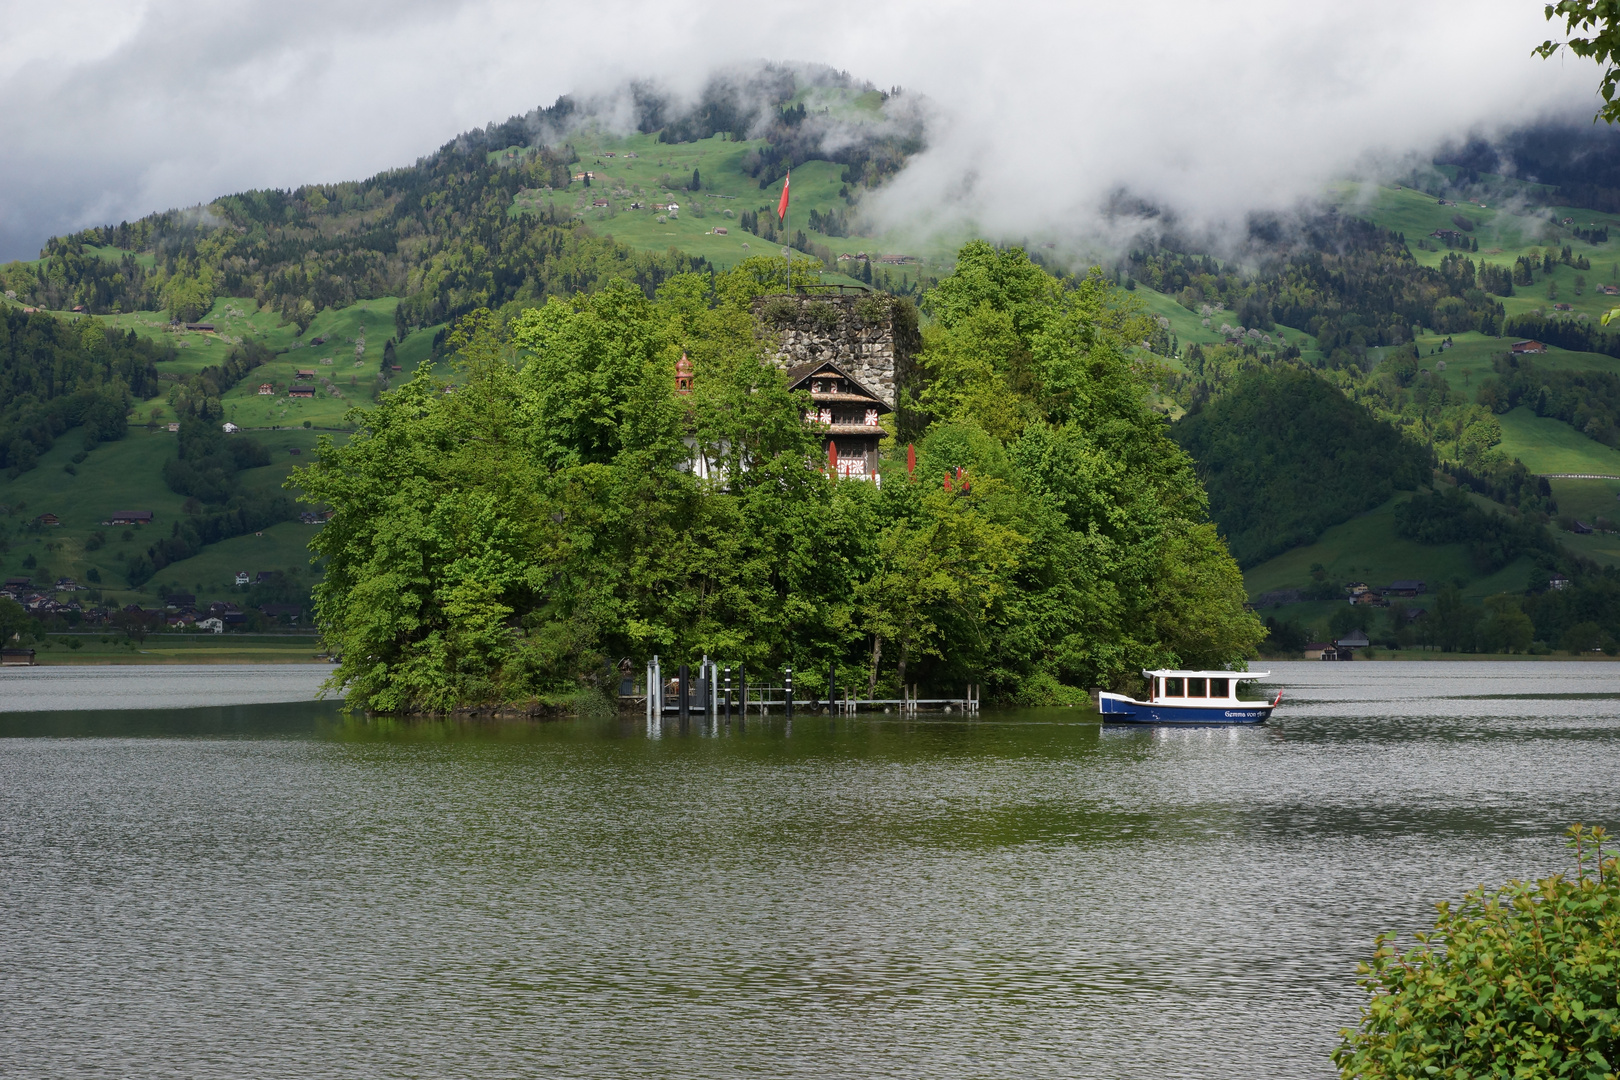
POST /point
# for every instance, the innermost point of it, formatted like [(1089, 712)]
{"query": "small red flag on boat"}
[(781, 207)]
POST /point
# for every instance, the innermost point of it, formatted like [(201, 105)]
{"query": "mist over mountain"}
[(1036, 117)]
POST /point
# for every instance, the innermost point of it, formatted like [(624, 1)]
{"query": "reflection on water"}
[(278, 890)]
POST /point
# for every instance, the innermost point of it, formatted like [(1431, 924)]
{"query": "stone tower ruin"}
[(871, 335)]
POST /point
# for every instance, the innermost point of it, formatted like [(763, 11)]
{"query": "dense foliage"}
[(1347, 282), (1572, 334), (508, 540), (1517, 981), (206, 469), (1493, 539), (1588, 401), (57, 374), (1285, 455)]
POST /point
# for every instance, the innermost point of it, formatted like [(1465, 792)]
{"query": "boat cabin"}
[(1189, 687)]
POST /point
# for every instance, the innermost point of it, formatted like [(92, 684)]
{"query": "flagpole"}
[(787, 237)]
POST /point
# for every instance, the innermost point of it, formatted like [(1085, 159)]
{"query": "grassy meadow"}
[(662, 173), (173, 648), (1505, 231), (128, 475)]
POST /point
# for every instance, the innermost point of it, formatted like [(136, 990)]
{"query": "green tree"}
[(1593, 27), (1513, 981)]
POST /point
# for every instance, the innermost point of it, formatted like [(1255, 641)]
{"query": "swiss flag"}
[(781, 207)]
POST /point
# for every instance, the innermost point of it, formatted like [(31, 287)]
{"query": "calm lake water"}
[(268, 890)]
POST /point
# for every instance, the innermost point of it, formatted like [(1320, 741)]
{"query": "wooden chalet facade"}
[(847, 415)]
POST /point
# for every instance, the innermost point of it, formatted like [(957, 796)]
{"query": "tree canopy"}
[(519, 533), (1286, 455)]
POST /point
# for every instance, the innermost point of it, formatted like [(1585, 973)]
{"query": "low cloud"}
[(1043, 113)]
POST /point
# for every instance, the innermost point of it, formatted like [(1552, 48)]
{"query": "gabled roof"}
[(800, 374)]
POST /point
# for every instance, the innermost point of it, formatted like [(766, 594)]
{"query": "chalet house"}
[(1582, 527), (66, 584), (48, 519), (301, 392), (204, 327), (1562, 307), (213, 625), (1405, 588), (229, 428), (174, 428), (1558, 582), (721, 230), (305, 374), (599, 202), (1520, 348), (241, 577), (13, 583), (180, 601), (16, 657), (847, 414), (1342, 649), (267, 388), (129, 517), (264, 576)]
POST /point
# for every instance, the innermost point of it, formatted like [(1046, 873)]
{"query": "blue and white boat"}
[(1189, 697)]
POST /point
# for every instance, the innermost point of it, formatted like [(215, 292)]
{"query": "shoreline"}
[(1452, 657)]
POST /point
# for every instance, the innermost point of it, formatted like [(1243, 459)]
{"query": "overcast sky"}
[(111, 110)]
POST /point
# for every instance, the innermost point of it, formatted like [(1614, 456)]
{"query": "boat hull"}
[(1118, 709)]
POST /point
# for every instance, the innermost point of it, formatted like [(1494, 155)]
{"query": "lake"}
[(263, 888)]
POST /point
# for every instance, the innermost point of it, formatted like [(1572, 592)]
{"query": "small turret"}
[(683, 375)]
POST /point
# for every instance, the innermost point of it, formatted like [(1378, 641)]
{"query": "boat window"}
[(1219, 687), (1196, 687), (1172, 688)]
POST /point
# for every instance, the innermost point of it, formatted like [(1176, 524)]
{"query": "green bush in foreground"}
[(1518, 981)]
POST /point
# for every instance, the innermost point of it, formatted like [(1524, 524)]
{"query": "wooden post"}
[(728, 694), (787, 691), (683, 698)]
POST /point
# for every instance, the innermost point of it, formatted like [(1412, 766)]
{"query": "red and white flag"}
[(781, 207)]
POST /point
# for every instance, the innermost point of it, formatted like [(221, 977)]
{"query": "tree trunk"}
[(902, 663), (877, 654)]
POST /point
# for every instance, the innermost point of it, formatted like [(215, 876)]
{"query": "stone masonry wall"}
[(859, 332)]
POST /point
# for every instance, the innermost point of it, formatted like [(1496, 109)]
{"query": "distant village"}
[(56, 603)]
